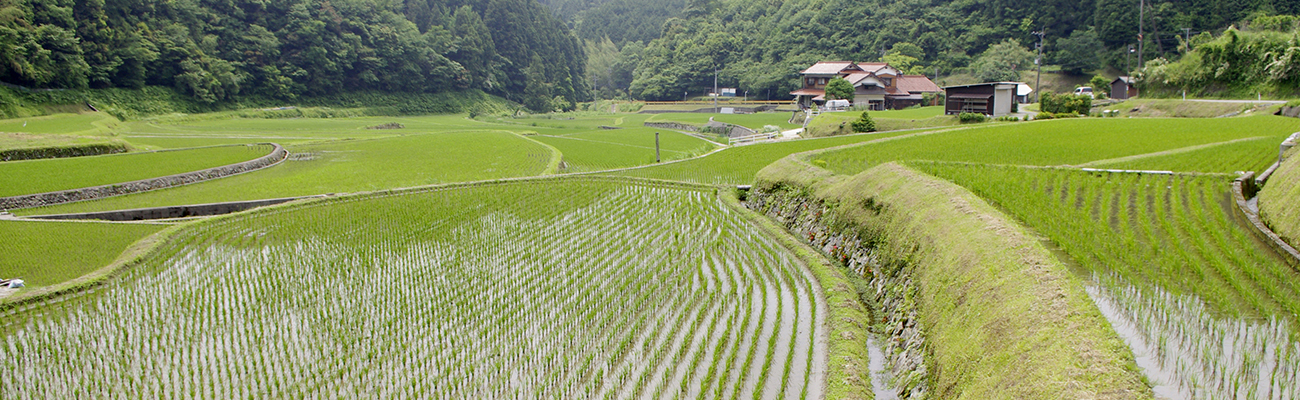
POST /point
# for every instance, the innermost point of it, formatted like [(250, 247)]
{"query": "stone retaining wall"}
[(277, 155), (197, 210), (890, 284), (61, 151), (736, 130)]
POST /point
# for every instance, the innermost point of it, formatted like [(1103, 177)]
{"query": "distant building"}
[(1123, 88), (993, 99), (876, 86)]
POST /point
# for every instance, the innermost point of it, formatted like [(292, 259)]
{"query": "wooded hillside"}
[(215, 50)]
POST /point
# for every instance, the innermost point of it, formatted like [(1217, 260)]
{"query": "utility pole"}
[(1128, 66), (1187, 39), (1142, 8), (1039, 62), (715, 90)]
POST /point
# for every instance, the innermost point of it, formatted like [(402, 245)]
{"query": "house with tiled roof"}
[(876, 86)]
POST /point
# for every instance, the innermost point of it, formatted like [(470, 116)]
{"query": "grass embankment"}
[(48, 175), (48, 253), (1173, 108), (1003, 317), (839, 123), (1279, 202)]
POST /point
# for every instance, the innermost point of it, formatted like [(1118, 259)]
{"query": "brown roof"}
[(828, 67), (916, 84), (872, 67), (856, 77), (808, 92)]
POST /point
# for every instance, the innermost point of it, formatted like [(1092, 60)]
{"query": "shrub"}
[(1008, 118), (972, 118), (864, 123), (1065, 103)]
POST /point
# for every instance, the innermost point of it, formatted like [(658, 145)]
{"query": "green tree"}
[(1100, 84), (839, 89), (1002, 62), (1079, 53), (864, 123)]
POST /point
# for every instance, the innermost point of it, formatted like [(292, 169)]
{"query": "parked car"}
[(1084, 91), (837, 105)]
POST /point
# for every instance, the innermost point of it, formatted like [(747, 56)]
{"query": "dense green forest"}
[(219, 50), (759, 45)]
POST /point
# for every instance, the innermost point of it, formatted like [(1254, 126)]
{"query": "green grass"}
[(1279, 202), (48, 175), (1058, 142), (63, 124), (48, 253), (609, 149), (1232, 157), (652, 287), (1178, 233), (58, 130), (354, 166), (838, 123), (737, 165), (1173, 108)]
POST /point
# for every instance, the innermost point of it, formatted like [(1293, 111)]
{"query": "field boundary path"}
[(278, 154)]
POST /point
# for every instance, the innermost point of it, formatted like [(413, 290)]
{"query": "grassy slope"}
[(47, 253), (1176, 108), (39, 176), (1279, 202), (1000, 323), (1057, 142), (354, 166)]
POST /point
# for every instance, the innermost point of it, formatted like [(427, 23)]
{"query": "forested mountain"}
[(760, 45), (622, 21), (215, 50)]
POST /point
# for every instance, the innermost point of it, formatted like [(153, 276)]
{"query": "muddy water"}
[(880, 385), (1187, 352)]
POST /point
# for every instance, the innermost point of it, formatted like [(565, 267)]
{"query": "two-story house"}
[(876, 86)]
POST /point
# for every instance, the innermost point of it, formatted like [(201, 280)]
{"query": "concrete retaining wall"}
[(1243, 189), (277, 155), (196, 210)]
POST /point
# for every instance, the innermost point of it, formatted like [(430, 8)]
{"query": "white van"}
[(1084, 91), (837, 105)]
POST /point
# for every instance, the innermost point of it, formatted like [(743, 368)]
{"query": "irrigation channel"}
[(577, 289)]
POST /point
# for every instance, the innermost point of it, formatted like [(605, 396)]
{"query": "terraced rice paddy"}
[(48, 175), (45, 253), (354, 166), (602, 149), (571, 288)]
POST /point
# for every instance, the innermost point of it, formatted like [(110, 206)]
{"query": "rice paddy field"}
[(46, 253), (589, 286), (1209, 310), (611, 290), (48, 175)]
